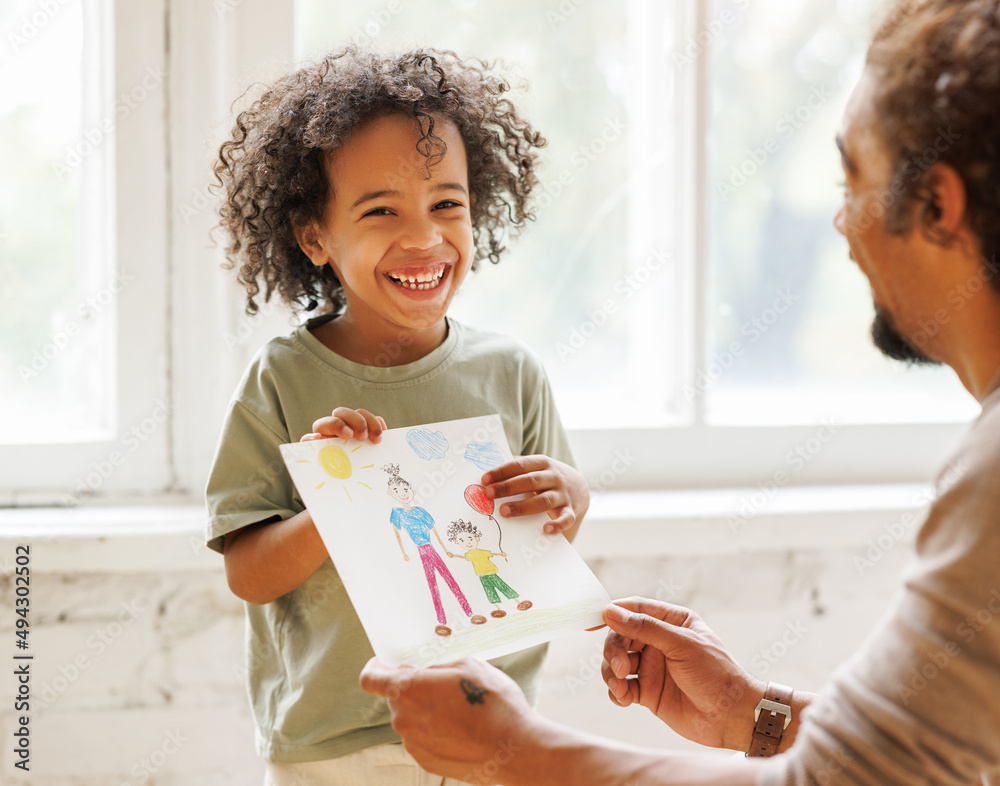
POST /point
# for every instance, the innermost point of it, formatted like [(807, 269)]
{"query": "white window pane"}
[(56, 299), (789, 310), (585, 284)]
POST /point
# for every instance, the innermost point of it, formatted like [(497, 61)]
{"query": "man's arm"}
[(667, 659), (484, 731)]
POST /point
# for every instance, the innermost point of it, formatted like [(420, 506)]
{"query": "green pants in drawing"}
[(491, 583)]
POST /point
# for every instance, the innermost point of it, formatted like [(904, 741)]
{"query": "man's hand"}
[(455, 718), (556, 489), (346, 423), (666, 659)]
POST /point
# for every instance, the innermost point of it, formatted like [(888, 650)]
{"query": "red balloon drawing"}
[(475, 495)]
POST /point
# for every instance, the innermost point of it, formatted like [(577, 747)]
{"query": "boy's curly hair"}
[(462, 526), (272, 168)]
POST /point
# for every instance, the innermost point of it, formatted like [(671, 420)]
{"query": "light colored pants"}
[(382, 764)]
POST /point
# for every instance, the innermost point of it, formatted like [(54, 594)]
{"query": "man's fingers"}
[(382, 680), (644, 629), (377, 678), (679, 616)]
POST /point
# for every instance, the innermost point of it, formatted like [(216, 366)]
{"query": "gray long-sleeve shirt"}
[(920, 702)]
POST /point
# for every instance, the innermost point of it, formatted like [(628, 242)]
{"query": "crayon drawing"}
[(433, 569)]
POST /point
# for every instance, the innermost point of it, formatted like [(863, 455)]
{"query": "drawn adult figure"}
[(419, 524), (467, 536)]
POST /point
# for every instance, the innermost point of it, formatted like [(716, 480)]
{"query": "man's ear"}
[(942, 211), (307, 236)]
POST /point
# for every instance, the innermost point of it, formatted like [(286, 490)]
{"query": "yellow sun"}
[(335, 461)]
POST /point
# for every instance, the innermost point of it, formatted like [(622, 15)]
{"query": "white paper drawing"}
[(433, 569)]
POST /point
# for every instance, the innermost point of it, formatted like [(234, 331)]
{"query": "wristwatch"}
[(772, 715)]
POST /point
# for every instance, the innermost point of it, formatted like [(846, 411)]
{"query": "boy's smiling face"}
[(400, 242)]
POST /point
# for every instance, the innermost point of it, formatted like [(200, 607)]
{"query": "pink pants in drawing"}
[(432, 562)]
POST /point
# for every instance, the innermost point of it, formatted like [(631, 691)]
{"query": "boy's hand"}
[(346, 423), (557, 489)]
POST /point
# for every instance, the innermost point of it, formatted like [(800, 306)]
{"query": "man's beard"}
[(891, 342)]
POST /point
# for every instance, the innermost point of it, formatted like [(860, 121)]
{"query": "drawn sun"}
[(336, 462)]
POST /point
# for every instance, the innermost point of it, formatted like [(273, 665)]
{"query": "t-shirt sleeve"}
[(920, 702), (249, 482)]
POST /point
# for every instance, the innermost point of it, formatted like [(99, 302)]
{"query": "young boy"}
[(367, 188)]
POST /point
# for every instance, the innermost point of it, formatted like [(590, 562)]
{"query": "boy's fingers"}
[(346, 423), (540, 503), (521, 484), (515, 467), (325, 428), (373, 424), (562, 518), (353, 420)]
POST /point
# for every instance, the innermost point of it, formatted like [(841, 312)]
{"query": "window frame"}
[(183, 340)]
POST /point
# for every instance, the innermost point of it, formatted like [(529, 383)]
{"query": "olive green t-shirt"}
[(306, 649)]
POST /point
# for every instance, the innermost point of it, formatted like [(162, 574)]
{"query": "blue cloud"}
[(485, 455), (426, 443)]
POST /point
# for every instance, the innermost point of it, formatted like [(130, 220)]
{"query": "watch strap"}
[(773, 714)]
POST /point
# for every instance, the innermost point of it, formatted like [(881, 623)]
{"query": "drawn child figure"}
[(362, 189), (468, 536), (419, 525)]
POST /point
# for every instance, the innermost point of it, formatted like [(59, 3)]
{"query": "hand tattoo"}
[(473, 693)]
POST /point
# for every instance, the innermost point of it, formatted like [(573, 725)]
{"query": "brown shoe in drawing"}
[(477, 619), (498, 613), (524, 605), (442, 630)]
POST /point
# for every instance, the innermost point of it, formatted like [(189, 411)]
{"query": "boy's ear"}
[(307, 237)]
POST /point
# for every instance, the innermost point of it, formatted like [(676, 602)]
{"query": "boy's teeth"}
[(419, 280)]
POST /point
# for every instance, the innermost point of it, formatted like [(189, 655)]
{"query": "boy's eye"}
[(379, 211), (446, 204)]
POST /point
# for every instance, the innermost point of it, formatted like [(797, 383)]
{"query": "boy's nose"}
[(420, 233)]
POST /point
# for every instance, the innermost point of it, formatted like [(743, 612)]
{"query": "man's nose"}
[(838, 221)]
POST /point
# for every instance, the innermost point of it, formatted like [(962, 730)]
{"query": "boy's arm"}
[(556, 488), (267, 560)]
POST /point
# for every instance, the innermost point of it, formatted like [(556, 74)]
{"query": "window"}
[(683, 282), (696, 312), (85, 399), (57, 315)]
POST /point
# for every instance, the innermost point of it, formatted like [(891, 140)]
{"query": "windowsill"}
[(621, 524)]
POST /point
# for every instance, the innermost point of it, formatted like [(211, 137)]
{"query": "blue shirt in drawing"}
[(417, 522)]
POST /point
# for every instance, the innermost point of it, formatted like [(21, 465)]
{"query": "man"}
[(920, 702)]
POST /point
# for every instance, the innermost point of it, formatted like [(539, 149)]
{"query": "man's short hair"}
[(937, 98)]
